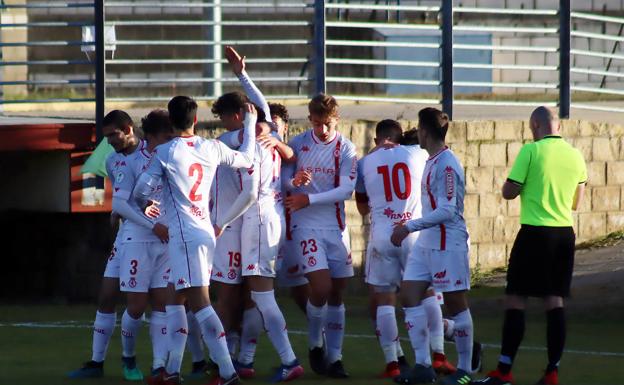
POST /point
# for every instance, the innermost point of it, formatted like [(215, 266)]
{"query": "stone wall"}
[(487, 149)]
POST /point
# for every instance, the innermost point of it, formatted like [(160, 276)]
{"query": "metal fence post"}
[(319, 46), (564, 59), (447, 57), (214, 51), (100, 68)]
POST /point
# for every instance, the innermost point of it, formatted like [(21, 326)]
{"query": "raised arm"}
[(253, 93)]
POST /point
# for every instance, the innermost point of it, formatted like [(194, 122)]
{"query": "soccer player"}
[(326, 170), (118, 128), (144, 265), (549, 175), (388, 188), (440, 255), (188, 163)]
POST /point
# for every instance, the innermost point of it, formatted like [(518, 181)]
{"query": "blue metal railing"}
[(353, 50)]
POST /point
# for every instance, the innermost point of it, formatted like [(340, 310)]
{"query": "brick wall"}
[(487, 150)]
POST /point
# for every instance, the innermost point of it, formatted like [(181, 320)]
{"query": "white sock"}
[(416, 323), (177, 330), (194, 342), (399, 349), (449, 329), (463, 340), (129, 329), (233, 340), (274, 324), (214, 336), (103, 327), (436, 324), (251, 328), (334, 332), (388, 332), (316, 320), (158, 333)]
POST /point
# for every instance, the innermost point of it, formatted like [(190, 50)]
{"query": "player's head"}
[(279, 116), (323, 115), (157, 127), (388, 131), (410, 137), (432, 126), (544, 121), (118, 129), (229, 109), (182, 112)]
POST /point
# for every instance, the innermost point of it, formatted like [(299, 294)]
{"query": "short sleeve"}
[(521, 165), (582, 168)]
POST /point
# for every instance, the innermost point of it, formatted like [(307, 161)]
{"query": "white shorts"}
[(324, 250), (143, 266), (447, 270), (112, 264), (289, 272), (385, 262), (261, 244), (227, 258), (191, 262)]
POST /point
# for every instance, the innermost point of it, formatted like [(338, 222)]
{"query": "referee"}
[(549, 175)]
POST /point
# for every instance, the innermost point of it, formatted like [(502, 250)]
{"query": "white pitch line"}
[(82, 325)]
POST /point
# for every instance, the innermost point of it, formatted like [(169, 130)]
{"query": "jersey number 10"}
[(396, 185)]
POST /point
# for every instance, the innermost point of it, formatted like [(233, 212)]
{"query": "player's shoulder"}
[(447, 158), (300, 137), (346, 142)]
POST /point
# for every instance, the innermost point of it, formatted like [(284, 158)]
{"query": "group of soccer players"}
[(242, 212)]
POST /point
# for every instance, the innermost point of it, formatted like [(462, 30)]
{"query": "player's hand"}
[(267, 141), (297, 201), (302, 178), (162, 232), (152, 210), (236, 61), (249, 111), (399, 233), (217, 230)]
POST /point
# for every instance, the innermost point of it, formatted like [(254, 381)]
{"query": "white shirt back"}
[(391, 178)]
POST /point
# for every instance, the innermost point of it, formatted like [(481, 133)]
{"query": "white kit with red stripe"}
[(320, 237), (389, 181), (443, 184)]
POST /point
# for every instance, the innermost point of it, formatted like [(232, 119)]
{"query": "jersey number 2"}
[(195, 168), (396, 185)]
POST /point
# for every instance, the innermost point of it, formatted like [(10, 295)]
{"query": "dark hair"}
[(182, 112), (230, 103), (410, 137), (156, 122), (279, 110), (323, 105), (389, 129), (117, 118), (434, 121)]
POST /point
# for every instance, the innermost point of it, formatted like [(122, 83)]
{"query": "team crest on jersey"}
[(132, 282), (337, 153), (450, 183), (232, 275), (311, 261), (119, 177)]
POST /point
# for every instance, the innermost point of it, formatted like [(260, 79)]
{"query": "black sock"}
[(513, 332), (555, 336)]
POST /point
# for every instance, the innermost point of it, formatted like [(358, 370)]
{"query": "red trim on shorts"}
[(433, 206)]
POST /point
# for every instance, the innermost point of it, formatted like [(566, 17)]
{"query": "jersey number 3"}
[(195, 168), (396, 185)]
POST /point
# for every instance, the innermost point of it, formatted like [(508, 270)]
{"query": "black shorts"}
[(541, 262)]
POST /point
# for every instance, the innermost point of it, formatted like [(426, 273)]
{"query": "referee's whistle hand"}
[(399, 233)]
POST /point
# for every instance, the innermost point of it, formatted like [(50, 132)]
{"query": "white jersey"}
[(332, 165), (226, 187), (389, 179), (266, 171), (443, 187), (125, 180), (189, 165)]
